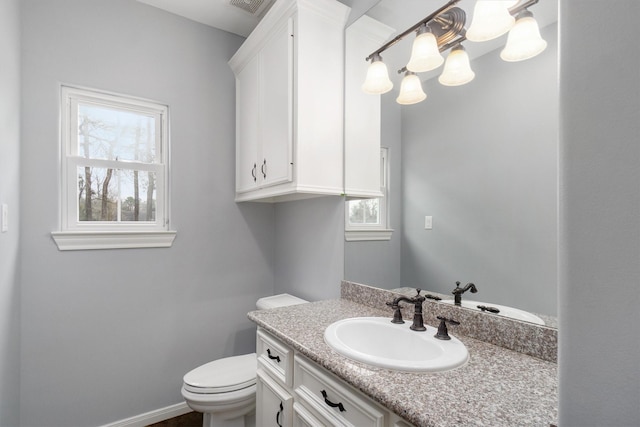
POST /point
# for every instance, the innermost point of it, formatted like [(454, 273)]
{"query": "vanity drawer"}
[(333, 400), (275, 357)]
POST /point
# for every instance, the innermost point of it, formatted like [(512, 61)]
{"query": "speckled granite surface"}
[(497, 387), (534, 340)]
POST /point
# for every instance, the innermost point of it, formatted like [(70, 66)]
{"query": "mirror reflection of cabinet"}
[(362, 111), (289, 93)]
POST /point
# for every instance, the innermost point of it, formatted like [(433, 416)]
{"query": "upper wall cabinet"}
[(289, 103)]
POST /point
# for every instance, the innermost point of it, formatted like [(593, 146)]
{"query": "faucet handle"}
[(443, 333), (397, 314), (488, 308)]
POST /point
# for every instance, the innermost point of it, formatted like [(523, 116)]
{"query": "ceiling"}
[(398, 14), (220, 14)]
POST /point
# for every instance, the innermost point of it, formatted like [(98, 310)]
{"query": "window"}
[(367, 219), (114, 186)]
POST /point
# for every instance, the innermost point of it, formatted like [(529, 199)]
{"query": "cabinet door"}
[(274, 405), (247, 167), (276, 106)]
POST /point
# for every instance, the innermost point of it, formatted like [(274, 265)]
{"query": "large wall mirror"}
[(482, 161)]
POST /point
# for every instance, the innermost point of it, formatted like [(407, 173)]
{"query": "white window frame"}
[(80, 235), (372, 232)]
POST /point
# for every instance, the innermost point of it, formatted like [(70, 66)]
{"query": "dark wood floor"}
[(192, 419)]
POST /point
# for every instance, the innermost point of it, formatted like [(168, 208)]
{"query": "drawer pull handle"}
[(253, 172), (276, 358), (278, 415), (330, 403)]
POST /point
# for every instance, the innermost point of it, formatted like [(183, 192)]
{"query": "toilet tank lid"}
[(223, 375), (280, 300)]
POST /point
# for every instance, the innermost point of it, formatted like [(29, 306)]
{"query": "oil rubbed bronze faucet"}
[(418, 320), (458, 291)]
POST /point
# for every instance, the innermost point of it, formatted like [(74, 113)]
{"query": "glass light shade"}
[(457, 69), (524, 40), (411, 90), (491, 19), (425, 55), (377, 81)]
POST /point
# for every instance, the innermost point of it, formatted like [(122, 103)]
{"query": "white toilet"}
[(225, 390)]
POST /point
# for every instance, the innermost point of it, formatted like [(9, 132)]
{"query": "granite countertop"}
[(497, 387)]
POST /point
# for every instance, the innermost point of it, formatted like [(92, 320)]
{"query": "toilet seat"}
[(223, 375)]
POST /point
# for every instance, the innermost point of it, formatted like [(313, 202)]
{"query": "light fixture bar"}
[(426, 20), (522, 6), (454, 43)]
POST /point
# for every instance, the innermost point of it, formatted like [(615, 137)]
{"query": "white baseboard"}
[(156, 416)]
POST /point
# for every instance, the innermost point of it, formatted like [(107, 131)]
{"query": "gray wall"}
[(109, 334), (309, 247), (482, 160), (377, 263), (599, 215), (9, 194)]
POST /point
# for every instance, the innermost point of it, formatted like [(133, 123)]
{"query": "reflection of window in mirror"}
[(368, 219)]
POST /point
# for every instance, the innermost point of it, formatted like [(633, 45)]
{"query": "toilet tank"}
[(280, 300)]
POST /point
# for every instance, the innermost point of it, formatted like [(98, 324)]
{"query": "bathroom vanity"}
[(303, 382), (321, 398)]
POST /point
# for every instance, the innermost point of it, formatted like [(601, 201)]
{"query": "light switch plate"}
[(428, 222), (5, 218)]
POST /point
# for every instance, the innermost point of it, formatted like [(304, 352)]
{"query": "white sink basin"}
[(378, 342), (505, 311)]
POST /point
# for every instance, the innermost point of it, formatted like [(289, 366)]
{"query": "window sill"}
[(88, 240), (367, 235)]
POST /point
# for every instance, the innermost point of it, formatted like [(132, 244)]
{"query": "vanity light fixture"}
[(524, 40), (443, 30), (411, 90), (425, 54), (457, 70), (491, 19), (377, 81)]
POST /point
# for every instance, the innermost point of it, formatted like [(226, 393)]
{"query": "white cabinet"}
[(289, 103), (362, 110), (294, 391)]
